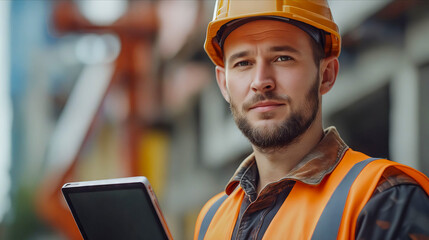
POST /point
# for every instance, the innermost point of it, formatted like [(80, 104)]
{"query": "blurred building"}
[(379, 102), (131, 92)]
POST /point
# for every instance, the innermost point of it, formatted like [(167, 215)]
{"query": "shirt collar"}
[(311, 170)]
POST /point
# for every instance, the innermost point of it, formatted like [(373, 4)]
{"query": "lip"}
[(266, 106)]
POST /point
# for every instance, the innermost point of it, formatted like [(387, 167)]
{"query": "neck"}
[(276, 164)]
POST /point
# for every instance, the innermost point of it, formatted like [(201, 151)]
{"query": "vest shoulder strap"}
[(209, 216), (329, 222)]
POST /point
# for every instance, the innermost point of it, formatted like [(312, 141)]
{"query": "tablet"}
[(121, 208)]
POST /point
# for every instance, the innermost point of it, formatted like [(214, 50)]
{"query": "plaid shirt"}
[(398, 209)]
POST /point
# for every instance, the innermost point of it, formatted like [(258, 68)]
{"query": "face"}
[(271, 81)]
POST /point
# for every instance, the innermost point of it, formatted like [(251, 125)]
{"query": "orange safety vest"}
[(299, 214)]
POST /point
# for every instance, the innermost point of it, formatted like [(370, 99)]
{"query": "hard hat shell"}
[(312, 12)]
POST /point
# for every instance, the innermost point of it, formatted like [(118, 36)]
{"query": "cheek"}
[(236, 94), (238, 88), (294, 82)]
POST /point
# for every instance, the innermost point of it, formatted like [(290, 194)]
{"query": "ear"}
[(329, 71), (221, 82)]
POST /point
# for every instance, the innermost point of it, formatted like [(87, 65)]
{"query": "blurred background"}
[(104, 89)]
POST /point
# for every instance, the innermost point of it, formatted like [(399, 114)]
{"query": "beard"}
[(285, 133)]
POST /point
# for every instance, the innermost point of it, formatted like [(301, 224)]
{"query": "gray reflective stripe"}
[(329, 222), (209, 216)]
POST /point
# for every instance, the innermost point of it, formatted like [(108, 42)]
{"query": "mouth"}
[(265, 106)]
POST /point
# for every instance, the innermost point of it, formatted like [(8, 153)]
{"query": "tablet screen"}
[(106, 213)]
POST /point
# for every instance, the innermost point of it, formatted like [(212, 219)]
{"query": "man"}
[(275, 60)]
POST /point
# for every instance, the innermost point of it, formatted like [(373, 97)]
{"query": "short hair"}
[(318, 51)]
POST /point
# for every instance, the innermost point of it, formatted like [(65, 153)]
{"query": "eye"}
[(242, 64), (283, 59)]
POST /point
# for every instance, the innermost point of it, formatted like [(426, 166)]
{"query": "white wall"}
[(5, 109), (399, 67)]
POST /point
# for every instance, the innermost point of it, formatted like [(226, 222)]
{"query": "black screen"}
[(116, 214)]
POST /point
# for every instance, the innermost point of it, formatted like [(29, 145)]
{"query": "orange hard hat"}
[(312, 13)]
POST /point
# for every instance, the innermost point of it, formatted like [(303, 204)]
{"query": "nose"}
[(263, 80)]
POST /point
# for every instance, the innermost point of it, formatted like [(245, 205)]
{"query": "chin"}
[(267, 125)]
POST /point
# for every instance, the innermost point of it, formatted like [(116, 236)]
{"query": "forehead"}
[(267, 32)]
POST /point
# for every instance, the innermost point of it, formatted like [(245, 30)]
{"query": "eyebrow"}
[(237, 55)]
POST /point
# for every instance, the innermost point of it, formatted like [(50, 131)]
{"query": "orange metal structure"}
[(136, 30)]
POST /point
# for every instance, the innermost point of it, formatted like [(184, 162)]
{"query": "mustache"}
[(264, 97)]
